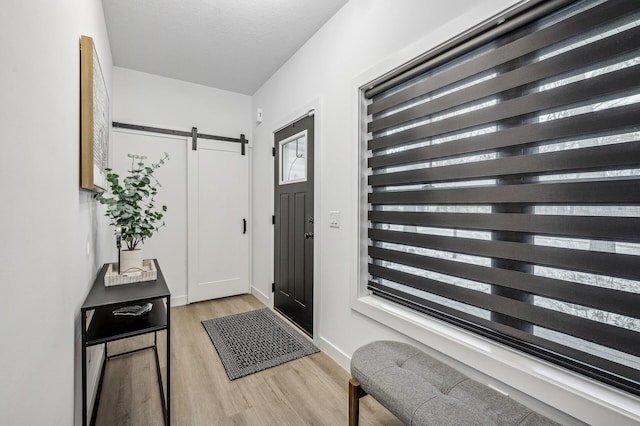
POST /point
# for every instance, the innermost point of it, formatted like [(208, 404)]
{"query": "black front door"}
[(293, 239)]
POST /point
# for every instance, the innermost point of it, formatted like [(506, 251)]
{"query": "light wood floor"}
[(308, 391)]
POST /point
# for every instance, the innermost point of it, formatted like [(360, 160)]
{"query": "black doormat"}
[(254, 341)]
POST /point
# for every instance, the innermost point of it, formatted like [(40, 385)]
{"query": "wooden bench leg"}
[(355, 393)]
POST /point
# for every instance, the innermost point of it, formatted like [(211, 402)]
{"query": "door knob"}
[(308, 235)]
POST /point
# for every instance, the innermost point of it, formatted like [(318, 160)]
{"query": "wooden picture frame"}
[(94, 119)]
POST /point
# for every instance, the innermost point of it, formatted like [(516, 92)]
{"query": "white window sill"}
[(580, 397)]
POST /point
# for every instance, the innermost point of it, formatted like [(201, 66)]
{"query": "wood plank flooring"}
[(308, 391)]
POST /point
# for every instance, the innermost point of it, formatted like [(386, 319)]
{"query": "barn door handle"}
[(244, 226), (308, 235)]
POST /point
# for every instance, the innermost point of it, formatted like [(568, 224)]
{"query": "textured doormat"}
[(254, 341)]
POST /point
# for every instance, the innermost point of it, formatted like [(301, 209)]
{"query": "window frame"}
[(494, 362), (282, 143)]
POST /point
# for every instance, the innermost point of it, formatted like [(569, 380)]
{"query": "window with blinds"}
[(503, 186)]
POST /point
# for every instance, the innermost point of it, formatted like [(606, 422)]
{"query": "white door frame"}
[(314, 106)]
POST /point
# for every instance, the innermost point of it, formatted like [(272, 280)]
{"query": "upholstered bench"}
[(421, 390)]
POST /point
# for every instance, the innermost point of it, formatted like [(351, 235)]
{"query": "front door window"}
[(293, 159)]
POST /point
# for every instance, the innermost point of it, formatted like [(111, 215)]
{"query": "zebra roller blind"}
[(503, 180)]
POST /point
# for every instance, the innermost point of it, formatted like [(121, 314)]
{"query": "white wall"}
[(363, 41), (151, 100), (142, 98), (52, 237)]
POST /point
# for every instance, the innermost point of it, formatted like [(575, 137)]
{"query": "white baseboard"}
[(93, 374), (265, 299), (95, 358), (179, 300), (334, 353)]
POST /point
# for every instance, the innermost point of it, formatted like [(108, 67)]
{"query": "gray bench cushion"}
[(421, 390)]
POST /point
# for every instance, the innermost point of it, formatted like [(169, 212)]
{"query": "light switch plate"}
[(334, 219)]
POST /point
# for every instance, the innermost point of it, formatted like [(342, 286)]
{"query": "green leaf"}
[(131, 204)]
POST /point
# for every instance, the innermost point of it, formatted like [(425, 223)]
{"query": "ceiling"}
[(234, 45)]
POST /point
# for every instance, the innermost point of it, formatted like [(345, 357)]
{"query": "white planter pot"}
[(130, 261)]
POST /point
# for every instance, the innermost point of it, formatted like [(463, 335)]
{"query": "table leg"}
[(168, 348), (83, 349)]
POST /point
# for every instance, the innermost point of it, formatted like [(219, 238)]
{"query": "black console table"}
[(105, 327)]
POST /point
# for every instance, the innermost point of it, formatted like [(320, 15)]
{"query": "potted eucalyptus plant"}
[(132, 209)]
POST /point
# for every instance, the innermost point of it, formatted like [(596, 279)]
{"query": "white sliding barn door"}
[(218, 206), (202, 251)]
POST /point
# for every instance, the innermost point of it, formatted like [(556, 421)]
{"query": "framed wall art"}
[(94, 119)]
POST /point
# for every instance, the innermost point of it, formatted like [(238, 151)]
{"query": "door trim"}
[(294, 208), (311, 111), (313, 107)]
